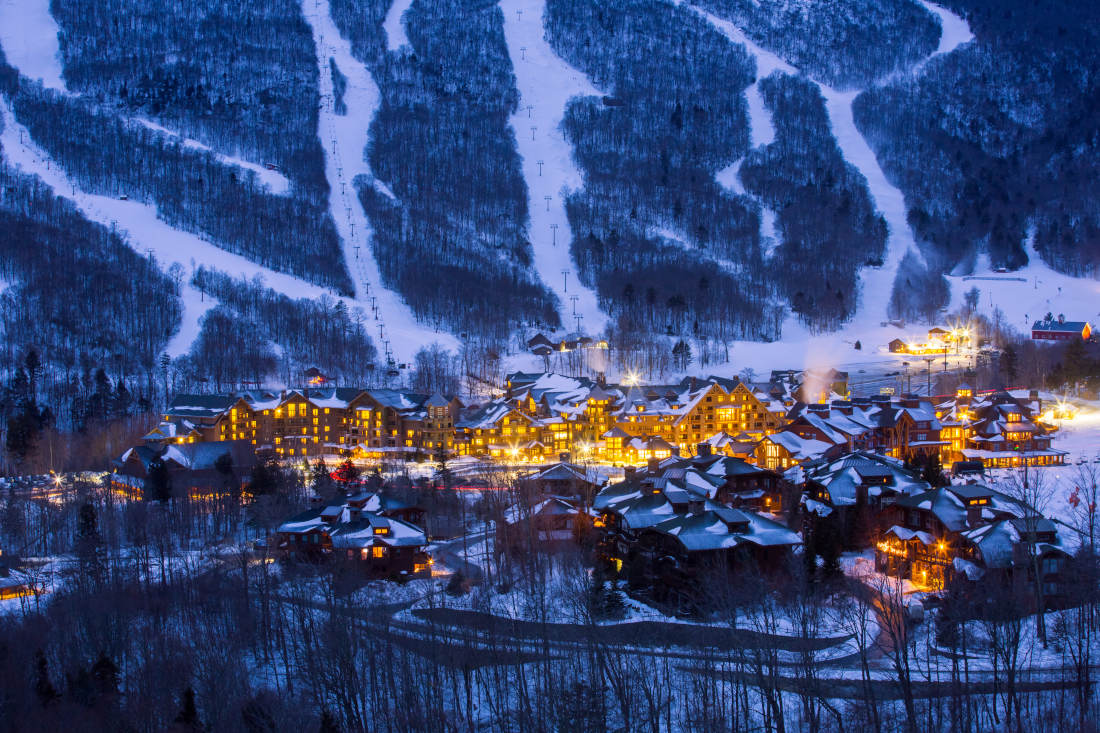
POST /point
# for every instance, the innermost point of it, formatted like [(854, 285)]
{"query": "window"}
[(378, 551)]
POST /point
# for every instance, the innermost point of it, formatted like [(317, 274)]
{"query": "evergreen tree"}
[(158, 481), (322, 483), (105, 676), (89, 545), (346, 474), (43, 687), (188, 717), (263, 479), (328, 723), (1010, 364)]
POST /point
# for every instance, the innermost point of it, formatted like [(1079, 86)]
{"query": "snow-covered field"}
[(546, 83), (344, 138)]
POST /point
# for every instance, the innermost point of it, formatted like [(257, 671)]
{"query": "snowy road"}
[(546, 83), (344, 138)]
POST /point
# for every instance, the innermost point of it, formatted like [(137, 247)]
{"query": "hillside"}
[(720, 173)]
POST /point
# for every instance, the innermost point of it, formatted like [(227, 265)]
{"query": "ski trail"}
[(344, 138), (546, 83), (274, 181), (954, 31), (145, 233), (28, 35), (394, 25), (887, 199)]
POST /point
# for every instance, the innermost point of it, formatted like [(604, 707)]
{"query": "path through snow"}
[(344, 138), (546, 83)]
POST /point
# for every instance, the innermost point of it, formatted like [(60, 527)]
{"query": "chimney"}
[(973, 516), (601, 379), (354, 514), (654, 464), (693, 383), (629, 473), (676, 451), (703, 450)]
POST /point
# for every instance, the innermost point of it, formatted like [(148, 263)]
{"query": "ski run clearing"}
[(28, 35), (394, 25), (546, 83), (344, 138)]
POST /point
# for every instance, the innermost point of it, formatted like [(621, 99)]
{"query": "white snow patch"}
[(546, 84), (761, 129), (729, 178), (28, 34), (394, 25), (275, 181), (344, 138), (954, 31)]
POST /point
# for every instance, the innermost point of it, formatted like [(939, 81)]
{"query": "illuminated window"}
[(379, 551), (326, 410)]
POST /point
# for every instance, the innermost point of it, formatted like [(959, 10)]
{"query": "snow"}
[(344, 138), (274, 181), (394, 25), (28, 35), (546, 83), (954, 31)]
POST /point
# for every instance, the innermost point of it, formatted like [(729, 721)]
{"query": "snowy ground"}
[(344, 138), (546, 83)]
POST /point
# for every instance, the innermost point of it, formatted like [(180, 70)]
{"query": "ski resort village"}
[(549, 366)]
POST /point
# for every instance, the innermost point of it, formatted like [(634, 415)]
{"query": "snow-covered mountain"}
[(441, 171)]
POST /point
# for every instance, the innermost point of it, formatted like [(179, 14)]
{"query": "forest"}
[(651, 224), (828, 224), (191, 188), (259, 646), (997, 142), (441, 141), (238, 76), (844, 43), (235, 341)]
